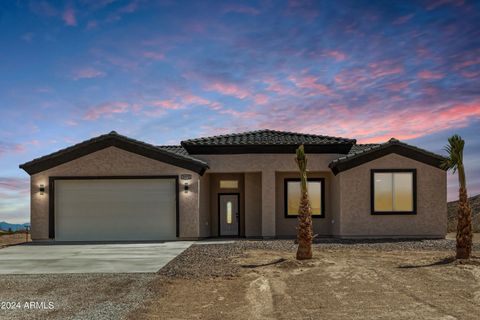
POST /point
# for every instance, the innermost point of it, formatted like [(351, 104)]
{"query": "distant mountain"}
[(14, 227), (452, 214)]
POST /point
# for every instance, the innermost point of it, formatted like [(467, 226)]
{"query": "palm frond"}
[(454, 148)]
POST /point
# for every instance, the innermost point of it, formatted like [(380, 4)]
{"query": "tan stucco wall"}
[(264, 162), (253, 204), (355, 216), (268, 165), (114, 162), (204, 199), (287, 226), (335, 200)]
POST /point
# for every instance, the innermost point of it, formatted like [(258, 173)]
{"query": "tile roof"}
[(112, 139), (266, 137), (362, 153), (181, 152)]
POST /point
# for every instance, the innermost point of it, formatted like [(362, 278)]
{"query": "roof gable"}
[(114, 139), (267, 141), (361, 154)]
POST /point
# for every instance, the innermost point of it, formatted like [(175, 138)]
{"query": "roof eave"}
[(397, 148), (338, 148), (106, 141)]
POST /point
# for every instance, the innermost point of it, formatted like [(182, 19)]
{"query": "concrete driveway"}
[(89, 258)]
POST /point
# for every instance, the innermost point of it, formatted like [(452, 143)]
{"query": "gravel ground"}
[(397, 280), (75, 296), (215, 260), (114, 296)]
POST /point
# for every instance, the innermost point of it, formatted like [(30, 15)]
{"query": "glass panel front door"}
[(229, 214)]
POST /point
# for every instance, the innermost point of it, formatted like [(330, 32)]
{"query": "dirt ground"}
[(10, 239), (337, 284)]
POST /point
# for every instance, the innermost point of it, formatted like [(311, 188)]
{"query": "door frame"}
[(239, 212), (51, 196)]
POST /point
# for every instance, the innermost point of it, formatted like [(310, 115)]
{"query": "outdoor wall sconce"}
[(41, 189), (186, 177)]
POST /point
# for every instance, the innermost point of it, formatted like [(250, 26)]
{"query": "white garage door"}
[(115, 209)]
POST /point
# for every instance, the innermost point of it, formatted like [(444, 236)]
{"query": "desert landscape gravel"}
[(361, 279)]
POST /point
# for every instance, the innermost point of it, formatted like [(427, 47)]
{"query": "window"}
[(393, 191), (228, 184), (316, 194), (229, 212)]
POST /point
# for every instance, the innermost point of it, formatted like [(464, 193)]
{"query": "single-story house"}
[(114, 188)]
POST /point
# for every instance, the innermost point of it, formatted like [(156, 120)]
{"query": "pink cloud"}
[(127, 9), (87, 73), (470, 74), (468, 63), (153, 55), (240, 8), (155, 113), (351, 78), (21, 185), (240, 114), (228, 90), (337, 55), (384, 68), (183, 100), (433, 4), (167, 104), (429, 75), (398, 86), (106, 109), (261, 99), (403, 19), (71, 123), (7, 147), (275, 86), (310, 82), (193, 99), (417, 122), (92, 24), (375, 122), (68, 16)]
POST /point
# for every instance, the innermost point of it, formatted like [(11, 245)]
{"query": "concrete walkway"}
[(89, 258)]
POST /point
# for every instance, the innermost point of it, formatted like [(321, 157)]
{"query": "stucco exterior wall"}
[(114, 162), (335, 200), (204, 204), (355, 213), (253, 204), (268, 165), (263, 162), (286, 227)]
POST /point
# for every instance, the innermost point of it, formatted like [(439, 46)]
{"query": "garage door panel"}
[(115, 209)]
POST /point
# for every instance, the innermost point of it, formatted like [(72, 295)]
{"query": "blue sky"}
[(163, 71)]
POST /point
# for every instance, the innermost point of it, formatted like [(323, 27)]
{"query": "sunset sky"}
[(162, 71)]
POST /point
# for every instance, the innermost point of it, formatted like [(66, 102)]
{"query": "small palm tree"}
[(454, 162), (305, 233)]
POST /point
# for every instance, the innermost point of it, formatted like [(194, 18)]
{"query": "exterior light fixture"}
[(41, 189), (186, 178)]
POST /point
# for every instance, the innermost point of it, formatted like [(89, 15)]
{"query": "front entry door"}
[(229, 214)]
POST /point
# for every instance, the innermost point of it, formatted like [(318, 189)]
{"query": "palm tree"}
[(454, 162), (305, 233)]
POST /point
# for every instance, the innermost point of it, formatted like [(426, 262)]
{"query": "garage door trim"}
[(51, 200)]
